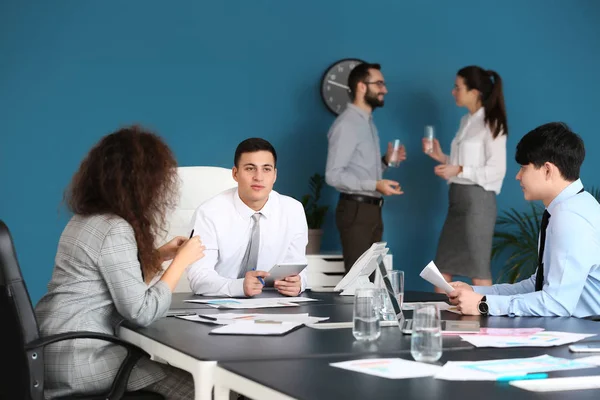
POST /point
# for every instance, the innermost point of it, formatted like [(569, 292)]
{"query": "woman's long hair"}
[(130, 173), (489, 84)]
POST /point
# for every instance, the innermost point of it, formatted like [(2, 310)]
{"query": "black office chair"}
[(23, 348)]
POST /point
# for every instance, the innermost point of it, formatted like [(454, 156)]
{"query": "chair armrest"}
[(119, 385), (44, 341)]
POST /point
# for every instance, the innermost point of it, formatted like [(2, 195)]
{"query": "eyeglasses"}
[(379, 84)]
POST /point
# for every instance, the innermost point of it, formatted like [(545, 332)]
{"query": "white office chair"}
[(196, 185)]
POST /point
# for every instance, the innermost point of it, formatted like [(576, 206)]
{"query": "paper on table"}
[(256, 328), (391, 368), (198, 318), (346, 324), (442, 306), (540, 339), (432, 275), (493, 369), (559, 384), (252, 303), (230, 318), (590, 360)]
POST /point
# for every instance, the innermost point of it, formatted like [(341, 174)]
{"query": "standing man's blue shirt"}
[(571, 264)]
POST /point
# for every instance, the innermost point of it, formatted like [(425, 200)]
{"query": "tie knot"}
[(545, 218), (256, 216)]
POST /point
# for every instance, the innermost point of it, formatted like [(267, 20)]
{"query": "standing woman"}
[(475, 170), (104, 262)]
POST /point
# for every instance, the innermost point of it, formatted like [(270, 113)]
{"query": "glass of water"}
[(429, 135), (426, 339), (394, 159), (366, 314), (396, 279)]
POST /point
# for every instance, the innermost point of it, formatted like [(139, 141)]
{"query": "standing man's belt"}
[(377, 201)]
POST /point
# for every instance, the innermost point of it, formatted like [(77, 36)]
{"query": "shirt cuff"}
[(236, 288), (485, 290), (384, 165), (467, 173), (369, 185), (498, 305)]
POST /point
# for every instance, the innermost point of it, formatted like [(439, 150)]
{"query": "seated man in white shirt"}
[(249, 229)]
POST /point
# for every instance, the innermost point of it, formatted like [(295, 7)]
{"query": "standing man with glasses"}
[(567, 279), (355, 165), (249, 229)]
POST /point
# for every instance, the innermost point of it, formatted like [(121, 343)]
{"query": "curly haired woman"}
[(105, 261)]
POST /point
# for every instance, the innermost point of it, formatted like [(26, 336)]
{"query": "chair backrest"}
[(24, 377), (197, 184)]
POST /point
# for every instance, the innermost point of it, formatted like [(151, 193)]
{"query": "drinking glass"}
[(426, 339), (366, 314), (429, 135)]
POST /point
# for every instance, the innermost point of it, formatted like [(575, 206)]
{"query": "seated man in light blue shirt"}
[(567, 279)]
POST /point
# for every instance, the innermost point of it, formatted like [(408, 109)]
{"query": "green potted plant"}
[(517, 234), (315, 213)]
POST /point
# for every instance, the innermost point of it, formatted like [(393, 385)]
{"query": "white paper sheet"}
[(252, 303), (491, 370), (231, 318), (391, 368), (441, 305), (540, 339), (559, 384), (432, 274), (345, 325), (256, 328)]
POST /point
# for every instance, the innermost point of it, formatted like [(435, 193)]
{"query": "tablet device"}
[(281, 271), (448, 326)]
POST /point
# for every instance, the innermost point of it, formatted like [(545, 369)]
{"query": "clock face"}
[(334, 85)]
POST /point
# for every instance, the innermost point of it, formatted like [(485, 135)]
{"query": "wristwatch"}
[(482, 306)]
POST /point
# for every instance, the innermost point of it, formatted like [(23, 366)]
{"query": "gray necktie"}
[(251, 256)]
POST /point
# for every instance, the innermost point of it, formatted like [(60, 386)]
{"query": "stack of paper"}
[(442, 306), (391, 368), (230, 318), (432, 274), (540, 339), (560, 384), (263, 328), (253, 303), (493, 369)]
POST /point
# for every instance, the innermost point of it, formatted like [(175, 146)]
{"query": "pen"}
[(260, 279), (192, 234), (181, 314), (207, 317), (521, 377)]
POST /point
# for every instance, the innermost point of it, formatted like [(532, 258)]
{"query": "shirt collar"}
[(566, 193), (479, 114), (246, 212), (366, 115)]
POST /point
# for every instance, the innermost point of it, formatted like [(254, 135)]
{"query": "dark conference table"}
[(308, 348), (315, 379)]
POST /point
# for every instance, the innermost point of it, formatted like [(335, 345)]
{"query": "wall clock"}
[(334, 84)]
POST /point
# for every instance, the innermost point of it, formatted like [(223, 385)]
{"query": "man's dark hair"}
[(253, 145), (555, 143), (360, 73)]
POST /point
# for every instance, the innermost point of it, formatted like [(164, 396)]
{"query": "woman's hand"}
[(432, 148), (169, 249), (190, 252), (447, 171)]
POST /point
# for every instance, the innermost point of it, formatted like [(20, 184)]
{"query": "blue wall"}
[(206, 75)]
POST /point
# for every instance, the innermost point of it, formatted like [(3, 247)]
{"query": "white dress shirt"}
[(224, 224), (482, 157)]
